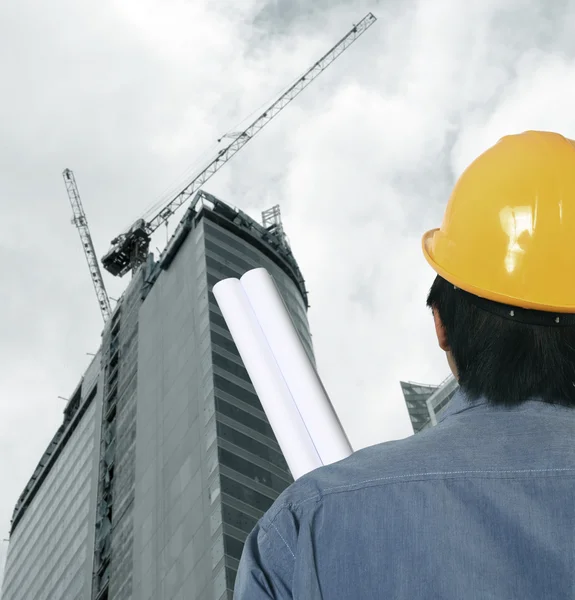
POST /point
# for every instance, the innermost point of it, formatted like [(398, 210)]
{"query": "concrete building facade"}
[(425, 403), (416, 395), (51, 547), (184, 461)]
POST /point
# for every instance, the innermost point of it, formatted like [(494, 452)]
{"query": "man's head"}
[(501, 359), (504, 298)]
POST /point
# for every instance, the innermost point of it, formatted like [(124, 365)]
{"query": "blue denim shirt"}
[(482, 506)]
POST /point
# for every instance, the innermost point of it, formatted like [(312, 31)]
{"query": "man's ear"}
[(440, 332)]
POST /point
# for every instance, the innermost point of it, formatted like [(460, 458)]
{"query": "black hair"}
[(504, 361)]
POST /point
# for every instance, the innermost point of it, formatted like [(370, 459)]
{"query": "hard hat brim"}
[(427, 247)]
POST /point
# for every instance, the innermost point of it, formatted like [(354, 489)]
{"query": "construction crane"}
[(130, 249), (81, 223)]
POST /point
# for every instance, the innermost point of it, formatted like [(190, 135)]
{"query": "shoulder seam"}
[(408, 477)]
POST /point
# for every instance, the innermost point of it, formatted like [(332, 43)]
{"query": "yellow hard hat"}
[(508, 233)]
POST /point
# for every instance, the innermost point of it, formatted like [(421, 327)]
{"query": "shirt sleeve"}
[(267, 563)]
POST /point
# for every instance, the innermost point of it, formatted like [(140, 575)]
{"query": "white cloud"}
[(131, 94), (541, 98)]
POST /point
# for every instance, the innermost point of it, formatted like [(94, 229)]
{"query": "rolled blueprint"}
[(298, 371), (267, 379)]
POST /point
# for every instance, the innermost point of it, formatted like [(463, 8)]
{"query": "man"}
[(482, 506)]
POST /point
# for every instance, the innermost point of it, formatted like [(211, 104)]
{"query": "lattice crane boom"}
[(81, 223), (130, 248)]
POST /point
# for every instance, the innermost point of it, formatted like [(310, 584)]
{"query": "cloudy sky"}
[(132, 95)]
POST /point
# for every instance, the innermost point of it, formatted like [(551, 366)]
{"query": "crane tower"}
[(81, 223)]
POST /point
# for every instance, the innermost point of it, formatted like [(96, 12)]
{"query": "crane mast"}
[(81, 223), (130, 248)]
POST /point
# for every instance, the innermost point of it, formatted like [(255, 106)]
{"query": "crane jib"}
[(130, 249)]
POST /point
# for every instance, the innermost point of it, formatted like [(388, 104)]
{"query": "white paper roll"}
[(298, 371), (280, 408)]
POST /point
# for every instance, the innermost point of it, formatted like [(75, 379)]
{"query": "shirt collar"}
[(460, 403)]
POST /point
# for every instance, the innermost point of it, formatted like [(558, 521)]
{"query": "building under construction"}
[(165, 459)]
